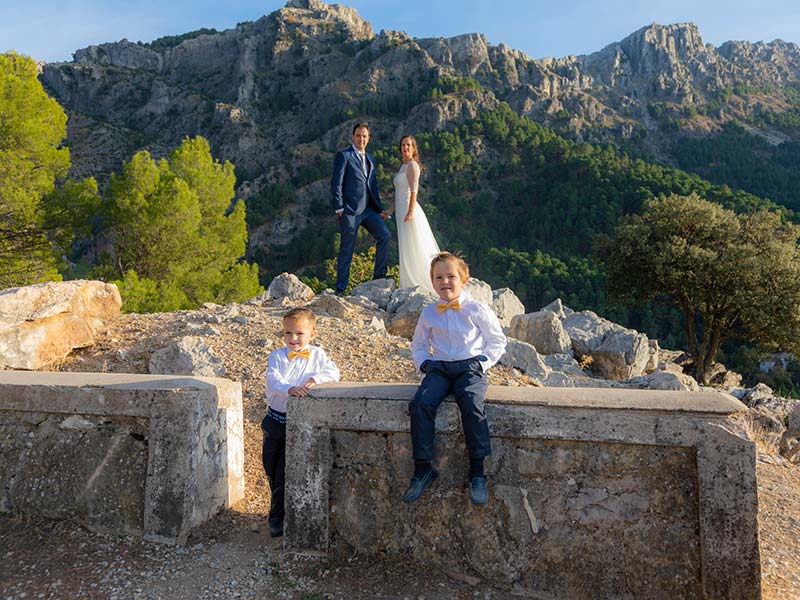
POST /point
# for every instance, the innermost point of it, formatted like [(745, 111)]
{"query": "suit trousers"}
[(372, 221), (273, 457), (467, 381)]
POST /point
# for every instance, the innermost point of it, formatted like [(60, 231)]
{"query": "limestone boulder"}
[(403, 324), (552, 370), (287, 285), (558, 307), (403, 298), (616, 352), (479, 290), (523, 356), (363, 302), (190, 355), (652, 361), (790, 440), (622, 355), (506, 305), (564, 363), (587, 331), (767, 428), (718, 375), (758, 395), (663, 380), (333, 306), (378, 291), (544, 330), (41, 324), (407, 304)]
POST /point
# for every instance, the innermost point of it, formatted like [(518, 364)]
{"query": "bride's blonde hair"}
[(414, 149)]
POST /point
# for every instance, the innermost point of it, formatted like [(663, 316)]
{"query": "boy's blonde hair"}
[(301, 314), (461, 265)]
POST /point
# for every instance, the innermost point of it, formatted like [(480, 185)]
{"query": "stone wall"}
[(594, 493), (144, 455)]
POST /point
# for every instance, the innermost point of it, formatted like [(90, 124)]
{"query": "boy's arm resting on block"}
[(493, 336), (275, 380), (325, 369), (421, 343)]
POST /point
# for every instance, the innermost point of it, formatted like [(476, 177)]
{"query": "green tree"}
[(32, 126), (733, 276), (177, 232)]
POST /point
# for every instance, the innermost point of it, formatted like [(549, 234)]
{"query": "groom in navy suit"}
[(357, 202)]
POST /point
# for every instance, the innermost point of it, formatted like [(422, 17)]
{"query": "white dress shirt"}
[(283, 373), (458, 334)]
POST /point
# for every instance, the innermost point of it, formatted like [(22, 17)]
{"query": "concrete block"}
[(147, 455), (610, 493)]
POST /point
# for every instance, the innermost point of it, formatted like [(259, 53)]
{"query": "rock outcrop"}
[(35, 318)]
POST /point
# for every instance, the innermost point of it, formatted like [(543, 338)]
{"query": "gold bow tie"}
[(455, 305), (302, 354)]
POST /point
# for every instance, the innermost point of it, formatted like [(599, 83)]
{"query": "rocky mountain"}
[(279, 95), (282, 91)]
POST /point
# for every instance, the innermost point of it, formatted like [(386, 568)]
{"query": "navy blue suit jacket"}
[(351, 190)]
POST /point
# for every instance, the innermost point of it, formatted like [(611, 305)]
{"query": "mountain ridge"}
[(247, 74), (279, 95)]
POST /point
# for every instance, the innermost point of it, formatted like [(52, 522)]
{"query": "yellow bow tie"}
[(455, 305), (302, 354)]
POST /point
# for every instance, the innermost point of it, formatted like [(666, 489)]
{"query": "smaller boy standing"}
[(457, 339), (291, 371)]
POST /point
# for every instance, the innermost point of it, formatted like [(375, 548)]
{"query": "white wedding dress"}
[(416, 243)]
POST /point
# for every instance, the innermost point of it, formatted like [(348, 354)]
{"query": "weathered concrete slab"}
[(594, 493), (149, 455)]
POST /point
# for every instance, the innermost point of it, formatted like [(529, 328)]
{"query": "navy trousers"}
[(273, 457), (467, 381), (372, 221)]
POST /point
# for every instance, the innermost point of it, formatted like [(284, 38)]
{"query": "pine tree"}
[(177, 232), (32, 126)]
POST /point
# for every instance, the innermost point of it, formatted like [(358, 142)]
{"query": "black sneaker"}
[(478, 491), (275, 529), (419, 485)]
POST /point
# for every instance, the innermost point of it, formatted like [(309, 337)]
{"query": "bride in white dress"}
[(416, 243)]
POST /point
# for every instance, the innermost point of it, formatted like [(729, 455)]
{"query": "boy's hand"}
[(302, 390)]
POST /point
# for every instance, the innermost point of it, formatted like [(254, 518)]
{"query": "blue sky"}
[(52, 29)]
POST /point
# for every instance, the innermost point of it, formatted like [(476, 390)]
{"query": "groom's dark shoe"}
[(478, 491), (419, 485)]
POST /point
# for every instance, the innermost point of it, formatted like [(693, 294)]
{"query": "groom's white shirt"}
[(452, 335)]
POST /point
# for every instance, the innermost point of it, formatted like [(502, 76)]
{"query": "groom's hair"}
[(359, 125), (461, 265)]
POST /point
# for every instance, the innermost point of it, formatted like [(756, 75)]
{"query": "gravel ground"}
[(232, 556)]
